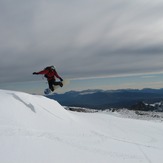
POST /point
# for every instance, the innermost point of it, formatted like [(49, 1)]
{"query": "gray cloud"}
[(81, 38)]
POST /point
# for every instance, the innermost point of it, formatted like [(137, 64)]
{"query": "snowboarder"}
[(50, 73)]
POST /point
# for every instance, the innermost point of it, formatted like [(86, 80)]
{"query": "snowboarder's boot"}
[(61, 84)]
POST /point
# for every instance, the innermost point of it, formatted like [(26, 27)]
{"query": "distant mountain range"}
[(100, 99)]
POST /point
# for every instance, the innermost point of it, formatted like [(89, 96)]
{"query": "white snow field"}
[(35, 129)]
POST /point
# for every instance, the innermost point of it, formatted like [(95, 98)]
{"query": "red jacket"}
[(50, 74)]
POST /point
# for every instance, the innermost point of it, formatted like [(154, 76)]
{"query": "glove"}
[(61, 79), (35, 73)]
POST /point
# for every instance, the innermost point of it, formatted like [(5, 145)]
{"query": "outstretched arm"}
[(56, 74), (40, 72)]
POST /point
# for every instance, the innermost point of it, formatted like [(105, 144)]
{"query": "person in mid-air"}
[(51, 74)]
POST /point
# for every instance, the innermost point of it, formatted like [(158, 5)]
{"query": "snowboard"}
[(47, 91)]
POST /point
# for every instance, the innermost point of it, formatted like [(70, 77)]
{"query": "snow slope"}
[(35, 129)]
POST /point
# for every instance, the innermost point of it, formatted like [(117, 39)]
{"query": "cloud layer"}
[(85, 38)]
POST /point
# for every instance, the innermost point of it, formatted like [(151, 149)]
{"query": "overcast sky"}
[(86, 38)]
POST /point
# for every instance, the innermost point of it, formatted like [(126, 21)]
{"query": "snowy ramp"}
[(37, 129)]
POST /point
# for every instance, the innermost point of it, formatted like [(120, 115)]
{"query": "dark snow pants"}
[(53, 82)]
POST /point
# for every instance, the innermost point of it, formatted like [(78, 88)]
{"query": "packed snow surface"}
[(35, 129)]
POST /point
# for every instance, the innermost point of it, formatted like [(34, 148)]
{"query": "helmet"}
[(50, 68), (53, 67)]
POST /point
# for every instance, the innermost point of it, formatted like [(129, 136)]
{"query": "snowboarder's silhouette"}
[(51, 74)]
